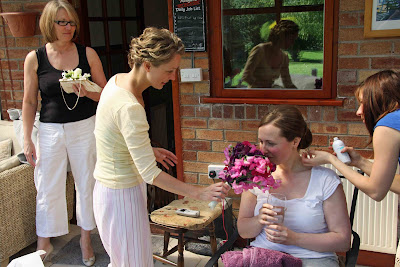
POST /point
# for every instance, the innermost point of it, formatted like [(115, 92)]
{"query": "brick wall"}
[(13, 51), (208, 128)]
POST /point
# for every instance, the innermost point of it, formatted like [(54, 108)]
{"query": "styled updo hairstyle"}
[(157, 46), (291, 123), (281, 29)]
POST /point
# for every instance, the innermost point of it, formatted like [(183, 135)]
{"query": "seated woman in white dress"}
[(316, 222)]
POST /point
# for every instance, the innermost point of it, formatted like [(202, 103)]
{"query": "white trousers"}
[(123, 224), (58, 142)]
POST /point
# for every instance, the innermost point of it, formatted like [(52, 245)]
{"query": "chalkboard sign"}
[(189, 23)]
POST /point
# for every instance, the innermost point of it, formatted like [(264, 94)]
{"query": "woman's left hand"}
[(165, 157), (278, 233), (83, 91)]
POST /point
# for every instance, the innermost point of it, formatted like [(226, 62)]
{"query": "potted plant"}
[(22, 24)]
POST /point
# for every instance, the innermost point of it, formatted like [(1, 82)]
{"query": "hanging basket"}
[(22, 24)]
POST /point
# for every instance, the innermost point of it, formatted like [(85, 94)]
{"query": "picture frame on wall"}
[(382, 18)]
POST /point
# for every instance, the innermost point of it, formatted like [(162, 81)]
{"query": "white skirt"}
[(123, 224)]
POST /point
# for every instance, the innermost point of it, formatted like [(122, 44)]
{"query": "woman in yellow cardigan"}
[(125, 158)]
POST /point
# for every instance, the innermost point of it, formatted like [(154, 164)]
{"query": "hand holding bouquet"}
[(247, 167), (71, 77)]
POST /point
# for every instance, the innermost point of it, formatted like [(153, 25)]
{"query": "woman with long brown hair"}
[(379, 97)]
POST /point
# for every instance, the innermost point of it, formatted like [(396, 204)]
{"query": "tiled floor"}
[(191, 259)]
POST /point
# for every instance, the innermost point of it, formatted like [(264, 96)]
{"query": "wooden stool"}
[(171, 223)]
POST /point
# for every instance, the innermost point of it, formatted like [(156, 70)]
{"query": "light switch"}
[(191, 75)]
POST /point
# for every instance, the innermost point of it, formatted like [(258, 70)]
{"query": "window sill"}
[(298, 102)]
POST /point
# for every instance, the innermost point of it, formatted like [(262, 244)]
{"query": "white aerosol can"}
[(337, 146)]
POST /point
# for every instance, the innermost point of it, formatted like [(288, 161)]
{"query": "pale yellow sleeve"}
[(132, 122), (251, 65)]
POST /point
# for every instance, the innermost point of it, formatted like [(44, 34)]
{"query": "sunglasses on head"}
[(65, 23)]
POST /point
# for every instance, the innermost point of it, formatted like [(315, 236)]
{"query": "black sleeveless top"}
[(53, 107)]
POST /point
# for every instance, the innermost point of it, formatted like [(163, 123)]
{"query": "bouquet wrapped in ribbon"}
[(246, 167)]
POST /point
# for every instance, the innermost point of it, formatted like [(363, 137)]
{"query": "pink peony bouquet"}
[(247, 167)]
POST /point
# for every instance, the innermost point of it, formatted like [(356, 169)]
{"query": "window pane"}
[(94, 8), (302, 2), (131, 30), (114, 29), (117, 63), (227, 4), (240, 35), (130, 8), (113, 8), (306, 55), (96, 34)]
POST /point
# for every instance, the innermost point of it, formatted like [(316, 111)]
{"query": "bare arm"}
[(97, 73), (386, 143), (249, 226), (29, 104), (335, 240), (214, 192)]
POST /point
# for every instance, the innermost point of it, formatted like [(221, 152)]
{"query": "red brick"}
[(353, 63), (10, 41), (188, 133), (368, 154), (347, 76), (240, 136), (206, 75), (358, 129), (186, 63), (189, 100), (203, 179), (2, 53), (376, 48), (347, 115), (396, 48), (315, 113), (17, 53), (187, 111), (328, 127), (186, 88), (196, 145), (209, 134), (356, 141), (250, 125), (351, 34), (351, 5), (200, 54), (348, 49), (17, 75), (212, 157), (27, 42), (346, 90), (189, 155), (320, 140), (385, 63), (349, 19), (190, 178), (201, 63), (350, 103), (11, 7), (250, 112), (239, 112), (228, 111), (195, 123), (38, 6), (9, 64), (223, 124), (202, 88), (219, 146), (262, 111), (14, 85), (189, 166), (203, 111), (217, 111), (18, 95)]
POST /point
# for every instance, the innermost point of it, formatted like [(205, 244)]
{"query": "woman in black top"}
[(64, 134)]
